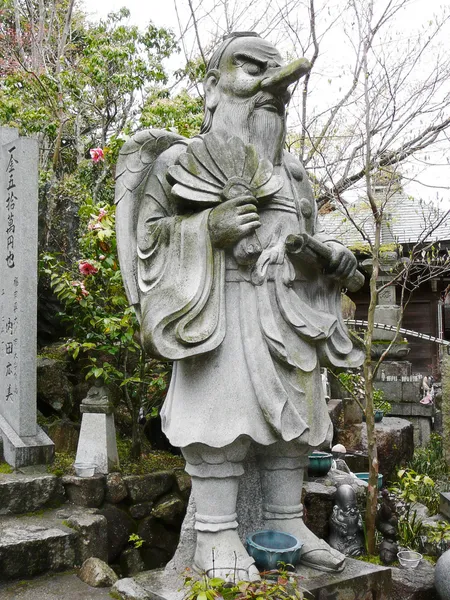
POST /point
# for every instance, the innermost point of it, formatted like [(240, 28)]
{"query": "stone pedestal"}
[(97, 442), (359, 580), (24, 443)]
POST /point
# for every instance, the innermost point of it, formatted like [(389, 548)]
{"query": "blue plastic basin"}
[(365, 477), (269, 548)]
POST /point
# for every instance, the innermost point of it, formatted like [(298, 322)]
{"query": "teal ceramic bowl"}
[(378, 415), (365, 477), (269, 548), (319, 464)]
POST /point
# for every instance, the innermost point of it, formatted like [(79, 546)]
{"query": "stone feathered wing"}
[(136, 159), (173, 276)]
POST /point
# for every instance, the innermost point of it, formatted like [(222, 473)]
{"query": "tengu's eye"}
[(252, 68)]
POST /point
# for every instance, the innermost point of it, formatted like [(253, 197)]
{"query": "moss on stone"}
[(150, 461), (5, 468)]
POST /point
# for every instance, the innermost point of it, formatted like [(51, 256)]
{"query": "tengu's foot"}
[(222, 554)]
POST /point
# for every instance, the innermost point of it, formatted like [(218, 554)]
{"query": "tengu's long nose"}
[(282, 77)]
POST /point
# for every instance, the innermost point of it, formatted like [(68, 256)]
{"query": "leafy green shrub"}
[(414, 487), (102, 324), (282, 585), (379, 403), (430, 459), (409, 529), (353, 383)]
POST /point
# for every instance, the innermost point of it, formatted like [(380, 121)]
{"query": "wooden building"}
[(407, 222)]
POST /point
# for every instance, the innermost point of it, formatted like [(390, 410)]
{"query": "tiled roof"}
[(410, 220)]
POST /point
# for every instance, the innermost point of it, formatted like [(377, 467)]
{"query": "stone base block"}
[(21, 452), (359, 580)]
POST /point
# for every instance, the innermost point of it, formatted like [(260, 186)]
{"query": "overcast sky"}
[(162, 13)]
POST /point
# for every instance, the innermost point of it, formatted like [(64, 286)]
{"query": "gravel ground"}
[(63, 586)]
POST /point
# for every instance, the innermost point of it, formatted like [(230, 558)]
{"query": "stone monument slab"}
[(24, 442)]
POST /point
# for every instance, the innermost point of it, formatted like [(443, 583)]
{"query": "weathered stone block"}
[(119, 527), (444, 506), (29, 493), (411, 391), (386, 315), (395, 441), (156, 535), (318, 501), (170, 509), (97, 573), (408, 409), (392, 390), (422, 430), (53, 386), (414, 584), (352, 412), (116, 490), (64, 435), (85, 491), (92, 536), (336, 412), (401, 368), (154, 558), (142, 488), (183, 483), (28, 548), (141, 510), (131, 562), (359, 581), (129, 589)]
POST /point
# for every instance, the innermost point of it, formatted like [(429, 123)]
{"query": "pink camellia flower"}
[(86, 268), (97, 154), (101, 213)]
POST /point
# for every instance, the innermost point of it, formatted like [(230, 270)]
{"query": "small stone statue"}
[(97, 394), (386, 523), (346, 524)]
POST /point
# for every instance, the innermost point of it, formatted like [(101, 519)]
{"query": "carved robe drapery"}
[(246, 353)]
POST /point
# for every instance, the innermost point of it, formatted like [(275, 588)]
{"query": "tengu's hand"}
[(232, 220), (343, 262)]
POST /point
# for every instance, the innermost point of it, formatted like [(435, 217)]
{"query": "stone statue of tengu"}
[(231, 279)]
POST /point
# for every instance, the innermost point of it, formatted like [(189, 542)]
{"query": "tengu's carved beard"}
[(258, 120)]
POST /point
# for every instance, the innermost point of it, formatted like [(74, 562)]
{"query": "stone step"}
[(24, 493), (49, 541)]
